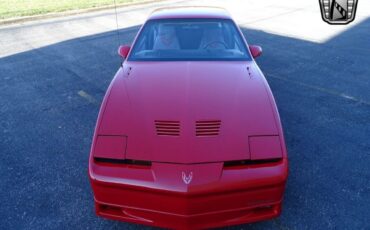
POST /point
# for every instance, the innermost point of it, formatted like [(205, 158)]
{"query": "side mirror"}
[(255, 50), (123, 50)]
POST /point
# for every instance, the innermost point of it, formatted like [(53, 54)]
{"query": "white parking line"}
[(318, 88), (88, 97)]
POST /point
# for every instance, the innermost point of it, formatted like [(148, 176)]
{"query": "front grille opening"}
[(250, 162), (167, 128), (267, 210), (116, 211), (124, 162), (108, 209), (207, 128)]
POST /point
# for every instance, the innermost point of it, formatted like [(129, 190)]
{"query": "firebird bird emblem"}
[(187, 179)]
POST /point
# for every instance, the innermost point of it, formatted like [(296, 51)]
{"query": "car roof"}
[(190, 12)]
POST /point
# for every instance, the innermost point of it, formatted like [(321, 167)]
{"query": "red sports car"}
[(188, 135)]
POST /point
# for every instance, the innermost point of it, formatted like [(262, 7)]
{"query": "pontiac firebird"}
[(188, 135)]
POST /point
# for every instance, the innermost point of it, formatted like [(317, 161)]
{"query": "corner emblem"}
[(338, 12), (187, 179)]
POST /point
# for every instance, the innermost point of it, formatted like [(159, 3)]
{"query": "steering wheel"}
[(213, 43)]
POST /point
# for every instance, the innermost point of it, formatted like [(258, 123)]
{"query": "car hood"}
[(189, 112)]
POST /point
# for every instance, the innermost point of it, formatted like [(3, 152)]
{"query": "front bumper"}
[(149, 195)]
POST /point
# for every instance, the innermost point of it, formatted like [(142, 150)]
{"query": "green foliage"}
[(18, 8)]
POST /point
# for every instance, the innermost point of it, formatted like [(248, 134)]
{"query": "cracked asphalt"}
[(54, 73)]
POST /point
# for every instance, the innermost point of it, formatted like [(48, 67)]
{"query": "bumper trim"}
[(193, 221)]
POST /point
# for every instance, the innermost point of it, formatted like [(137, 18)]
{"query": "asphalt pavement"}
[(54, 73)]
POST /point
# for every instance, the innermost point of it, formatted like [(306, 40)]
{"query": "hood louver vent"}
[(167, 128), (207, 128)]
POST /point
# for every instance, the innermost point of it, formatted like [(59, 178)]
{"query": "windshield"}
[(189, 40)]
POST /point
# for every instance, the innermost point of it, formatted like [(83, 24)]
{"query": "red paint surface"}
[(256, 51), (237, 95), (113, 147), (265, 147), (123, 51)]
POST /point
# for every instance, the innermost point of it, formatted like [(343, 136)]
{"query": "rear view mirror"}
[(255, 50), (123, 50)]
